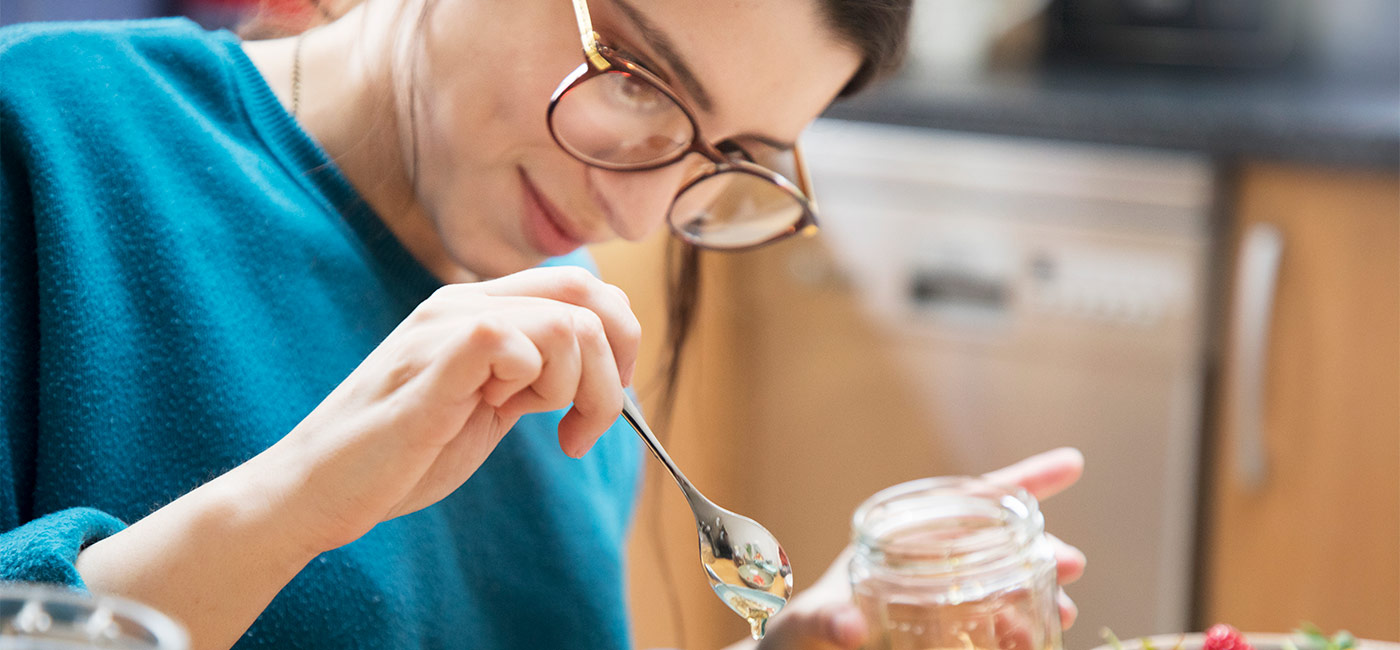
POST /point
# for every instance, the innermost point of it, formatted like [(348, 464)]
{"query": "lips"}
[(545, 227)]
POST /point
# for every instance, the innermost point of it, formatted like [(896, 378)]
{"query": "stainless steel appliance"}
[(1044, 294)]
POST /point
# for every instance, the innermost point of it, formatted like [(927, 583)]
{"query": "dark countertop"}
[(1231, 114)]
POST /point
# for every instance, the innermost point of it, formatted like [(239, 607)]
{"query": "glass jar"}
[(47, 617), (954, 564)]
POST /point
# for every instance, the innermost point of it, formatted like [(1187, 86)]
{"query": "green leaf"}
[(1112, 640), (1313, 637), (1317, 640)]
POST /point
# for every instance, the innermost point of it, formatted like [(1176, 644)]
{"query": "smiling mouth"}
[(545, 227)]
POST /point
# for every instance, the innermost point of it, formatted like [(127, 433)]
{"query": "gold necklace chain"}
[(296, 74), (326, 17)]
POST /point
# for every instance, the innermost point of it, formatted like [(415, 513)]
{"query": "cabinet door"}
[(1315, 535)]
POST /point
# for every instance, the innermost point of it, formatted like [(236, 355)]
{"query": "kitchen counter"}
[(1227, 113)]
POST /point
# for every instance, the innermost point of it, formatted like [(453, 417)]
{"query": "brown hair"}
[(879, 30)]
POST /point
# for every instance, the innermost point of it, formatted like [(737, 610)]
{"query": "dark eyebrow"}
[(660, 42)]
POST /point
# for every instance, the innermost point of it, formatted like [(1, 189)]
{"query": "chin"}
[(498, 261)]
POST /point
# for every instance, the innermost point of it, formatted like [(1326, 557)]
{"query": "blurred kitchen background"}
[(1166, 232)]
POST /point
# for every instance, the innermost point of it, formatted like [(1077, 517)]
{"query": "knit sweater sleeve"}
[(32, 548)]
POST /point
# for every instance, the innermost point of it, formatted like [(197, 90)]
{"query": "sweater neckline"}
[(313, 168)]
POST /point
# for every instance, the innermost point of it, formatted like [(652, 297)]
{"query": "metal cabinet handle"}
[(1256, 278)]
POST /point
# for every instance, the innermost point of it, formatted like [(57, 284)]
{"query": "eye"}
[(630, 93), (734, 151)]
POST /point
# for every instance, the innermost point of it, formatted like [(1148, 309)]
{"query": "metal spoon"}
[(746, 566)]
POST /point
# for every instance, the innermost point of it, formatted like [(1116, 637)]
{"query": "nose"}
[(636, 202)]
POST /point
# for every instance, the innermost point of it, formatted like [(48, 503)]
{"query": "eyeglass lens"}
[(618, 119), (734, 209)]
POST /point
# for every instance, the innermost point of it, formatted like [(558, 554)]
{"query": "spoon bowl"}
[(746, 566)]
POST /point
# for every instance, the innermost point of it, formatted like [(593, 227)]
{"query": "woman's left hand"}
[(823, 617)]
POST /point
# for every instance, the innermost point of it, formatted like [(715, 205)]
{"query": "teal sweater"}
[(184, 275)]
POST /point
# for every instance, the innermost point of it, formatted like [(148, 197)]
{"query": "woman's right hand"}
[(407, 427), (426, 407)]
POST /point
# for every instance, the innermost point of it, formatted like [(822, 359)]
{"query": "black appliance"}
[(1223, 33)]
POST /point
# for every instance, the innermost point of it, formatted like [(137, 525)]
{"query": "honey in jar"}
[(954, 564)]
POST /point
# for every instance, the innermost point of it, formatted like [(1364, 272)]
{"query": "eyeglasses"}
[(614, 114)]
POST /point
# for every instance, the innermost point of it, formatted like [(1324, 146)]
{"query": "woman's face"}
[(503, 196)]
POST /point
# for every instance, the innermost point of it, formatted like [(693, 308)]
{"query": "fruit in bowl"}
[(1225, 637)]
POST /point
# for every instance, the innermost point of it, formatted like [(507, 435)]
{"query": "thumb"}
[(833, 626), (844, 624)]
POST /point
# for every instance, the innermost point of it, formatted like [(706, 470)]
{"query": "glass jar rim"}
[(1011, 518), (38, 600)]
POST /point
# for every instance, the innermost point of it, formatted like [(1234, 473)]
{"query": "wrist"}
[(212, 559), (267, 499)]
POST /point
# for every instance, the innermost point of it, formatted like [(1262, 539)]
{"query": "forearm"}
[(212, 559)]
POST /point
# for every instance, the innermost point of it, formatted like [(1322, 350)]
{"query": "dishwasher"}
[(1043, 294)]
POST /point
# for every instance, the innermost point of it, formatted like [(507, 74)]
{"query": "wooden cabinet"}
[(1316, 535), (1318, 539)]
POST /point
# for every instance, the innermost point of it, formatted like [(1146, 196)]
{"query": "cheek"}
[(635, 203), (482, 93), (470, 136), (469, 125)]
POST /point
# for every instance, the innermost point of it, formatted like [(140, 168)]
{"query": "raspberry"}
[(1223, 637)]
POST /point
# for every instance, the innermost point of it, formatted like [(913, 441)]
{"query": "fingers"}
[(576, 286), (515, 363), (843, 625), (585, 334), (491, 360), (578, 369), (1043, 475), (824, 612), (598, 398), (1069, 566), (555, 333), (1069, 561), (1068, 610)]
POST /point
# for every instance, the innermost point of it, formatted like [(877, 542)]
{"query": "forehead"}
[(765, 66)]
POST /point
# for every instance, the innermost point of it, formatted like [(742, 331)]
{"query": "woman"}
[(255, 373)]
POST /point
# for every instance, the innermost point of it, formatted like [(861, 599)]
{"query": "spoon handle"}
[(633, 414)]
